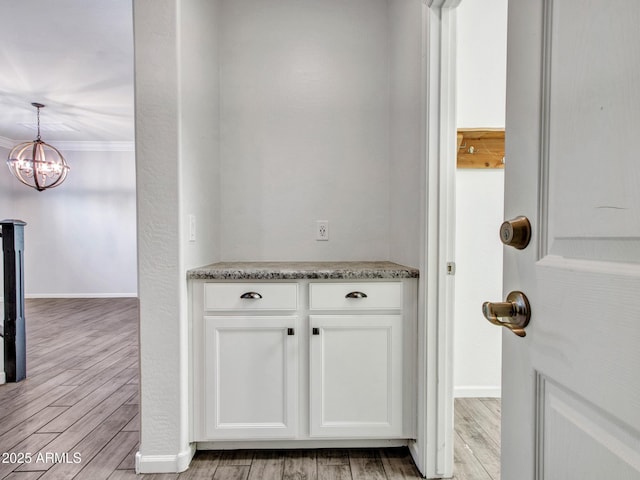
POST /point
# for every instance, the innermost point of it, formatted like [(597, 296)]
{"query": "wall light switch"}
[(192, 228)]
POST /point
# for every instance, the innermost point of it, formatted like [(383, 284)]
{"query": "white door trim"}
[(433, 449)]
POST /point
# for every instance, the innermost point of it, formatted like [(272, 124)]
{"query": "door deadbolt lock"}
[(516, 232), (513, 314)]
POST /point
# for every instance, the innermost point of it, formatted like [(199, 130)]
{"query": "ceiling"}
[(74, 56)]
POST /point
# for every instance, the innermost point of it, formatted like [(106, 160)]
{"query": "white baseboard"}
[(81, 295), (165, 463), (3, 378), (475, 391), (77, 295), (418, 457)]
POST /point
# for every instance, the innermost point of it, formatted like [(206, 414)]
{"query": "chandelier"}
[(38, 164)]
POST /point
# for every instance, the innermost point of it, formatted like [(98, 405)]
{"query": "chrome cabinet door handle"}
[(355, 295), (251, 295)]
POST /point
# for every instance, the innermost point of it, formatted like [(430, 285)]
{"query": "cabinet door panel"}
[(356, 376), (250, 377)]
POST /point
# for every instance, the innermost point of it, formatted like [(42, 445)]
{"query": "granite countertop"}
[(301, 270)]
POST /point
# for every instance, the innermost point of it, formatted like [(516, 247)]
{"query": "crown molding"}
[(7, 142), (96, 146), (79, 146)]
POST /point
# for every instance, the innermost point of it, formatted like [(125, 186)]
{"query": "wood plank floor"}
[(76, 414)]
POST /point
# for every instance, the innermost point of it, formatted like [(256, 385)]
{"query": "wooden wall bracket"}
[(480, 148)]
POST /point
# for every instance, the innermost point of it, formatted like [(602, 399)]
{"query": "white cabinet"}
[(250, 377), (303, 360), (356, 376)]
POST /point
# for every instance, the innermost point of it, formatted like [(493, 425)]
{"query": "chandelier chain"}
[(38, 114)]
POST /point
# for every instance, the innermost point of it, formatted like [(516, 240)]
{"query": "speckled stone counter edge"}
[(301, 270)]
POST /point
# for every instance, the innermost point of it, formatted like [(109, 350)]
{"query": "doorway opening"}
[(481, 84)]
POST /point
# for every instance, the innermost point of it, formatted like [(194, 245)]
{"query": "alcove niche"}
[(297, 111), (255, 119)]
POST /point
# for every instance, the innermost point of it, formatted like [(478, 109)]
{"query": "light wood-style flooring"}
[(76, 414)]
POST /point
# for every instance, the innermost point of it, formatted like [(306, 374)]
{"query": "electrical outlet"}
[(322, 230)]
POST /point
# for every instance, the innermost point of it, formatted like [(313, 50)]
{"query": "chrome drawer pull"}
[(355, 295), (251, 295)]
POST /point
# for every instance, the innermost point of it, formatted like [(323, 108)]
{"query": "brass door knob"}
[(516, 232), (513, 314)]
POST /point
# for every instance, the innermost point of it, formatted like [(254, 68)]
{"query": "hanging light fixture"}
[(38, 164)]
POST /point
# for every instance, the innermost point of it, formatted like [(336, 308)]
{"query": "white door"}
[(571, 387)]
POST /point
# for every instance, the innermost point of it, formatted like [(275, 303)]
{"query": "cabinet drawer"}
[(250, 296), (355, 296)]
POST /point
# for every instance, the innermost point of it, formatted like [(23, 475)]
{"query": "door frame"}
[(433, 449)]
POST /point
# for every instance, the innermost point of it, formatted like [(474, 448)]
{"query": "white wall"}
[(304, 129), (200, 130), (80, 238), (481, 68), (477, 343), (6, 206), (482, 63), (406, 130), (159, 250), (177, 169)]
